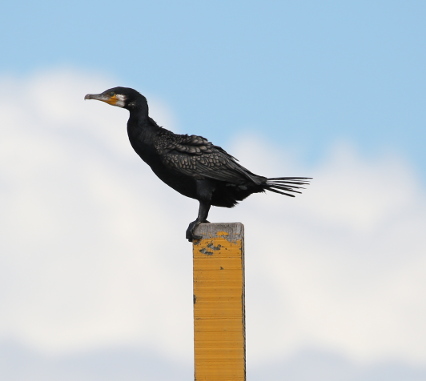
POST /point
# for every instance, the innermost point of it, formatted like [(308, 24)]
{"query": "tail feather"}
[(283, 185)]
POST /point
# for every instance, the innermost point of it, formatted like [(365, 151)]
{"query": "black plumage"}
[(191, 164)]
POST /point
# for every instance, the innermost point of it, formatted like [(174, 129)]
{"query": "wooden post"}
[(219, 320)]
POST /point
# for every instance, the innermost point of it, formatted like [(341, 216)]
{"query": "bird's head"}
[(124, 97)]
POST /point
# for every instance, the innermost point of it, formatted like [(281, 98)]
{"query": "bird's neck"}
[(141, 127), (138, 117), (142, 132), (138, 110)]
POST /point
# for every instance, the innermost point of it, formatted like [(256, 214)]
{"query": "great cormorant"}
[(190, 164)]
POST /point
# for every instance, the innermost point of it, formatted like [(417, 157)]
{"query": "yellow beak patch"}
[(112, 100)]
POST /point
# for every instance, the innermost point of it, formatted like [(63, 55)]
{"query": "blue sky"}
[(302, 74), (333, 90)]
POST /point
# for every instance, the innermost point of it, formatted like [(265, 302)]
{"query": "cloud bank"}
[(93, 253)]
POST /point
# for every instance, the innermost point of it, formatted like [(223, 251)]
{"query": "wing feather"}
[(195, 156)]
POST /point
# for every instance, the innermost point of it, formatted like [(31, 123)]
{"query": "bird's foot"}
[(190, 236)]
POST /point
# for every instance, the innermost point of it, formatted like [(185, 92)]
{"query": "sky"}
[(95, 273)]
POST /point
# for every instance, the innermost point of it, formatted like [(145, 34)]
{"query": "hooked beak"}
[(101, 97)]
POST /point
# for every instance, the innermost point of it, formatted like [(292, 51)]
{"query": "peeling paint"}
[(205, 251), (213, 247), (210, 246)]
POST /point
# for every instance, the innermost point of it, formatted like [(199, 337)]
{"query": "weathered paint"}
[(219, 321)]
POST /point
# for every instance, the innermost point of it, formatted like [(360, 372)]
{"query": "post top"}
[(231, 231)]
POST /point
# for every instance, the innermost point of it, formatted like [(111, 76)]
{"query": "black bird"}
[(190, 164)]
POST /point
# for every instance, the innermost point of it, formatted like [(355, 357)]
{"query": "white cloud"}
[(344, 264), (93, 249)]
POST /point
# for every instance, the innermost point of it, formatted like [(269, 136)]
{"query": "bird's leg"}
[(203, 211), (204, 189)]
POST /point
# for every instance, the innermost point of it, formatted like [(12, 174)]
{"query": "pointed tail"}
[(284, 185)]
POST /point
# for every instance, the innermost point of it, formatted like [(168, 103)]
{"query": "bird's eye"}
[(111, 93)]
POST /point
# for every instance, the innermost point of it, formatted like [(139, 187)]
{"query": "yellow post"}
[(219, 321)]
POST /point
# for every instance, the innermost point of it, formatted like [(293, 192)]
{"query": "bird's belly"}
[(183, 184)]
